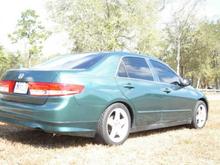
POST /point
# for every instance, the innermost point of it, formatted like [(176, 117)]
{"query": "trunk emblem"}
[(21, 75)]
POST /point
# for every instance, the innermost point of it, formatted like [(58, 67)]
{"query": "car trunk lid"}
[(20, 92)]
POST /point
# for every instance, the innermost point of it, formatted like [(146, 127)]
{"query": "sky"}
[(10, 11)]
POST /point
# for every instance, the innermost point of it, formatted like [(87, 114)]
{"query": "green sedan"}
[(104, 95)]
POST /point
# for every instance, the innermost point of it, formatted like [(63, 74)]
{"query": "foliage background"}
[(187, 42)]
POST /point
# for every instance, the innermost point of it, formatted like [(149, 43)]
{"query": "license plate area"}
[(21, 88)]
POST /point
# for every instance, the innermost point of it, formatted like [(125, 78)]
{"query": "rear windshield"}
[(71, 62)]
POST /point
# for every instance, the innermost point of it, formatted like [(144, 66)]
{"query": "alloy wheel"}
[(201, 115), (117, 125)]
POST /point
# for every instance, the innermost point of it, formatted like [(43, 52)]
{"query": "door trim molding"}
[(161, 111)]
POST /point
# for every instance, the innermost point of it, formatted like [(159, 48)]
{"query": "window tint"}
[(72, 62), (87, 62), (121, 70), (164, 73), (137, 68)]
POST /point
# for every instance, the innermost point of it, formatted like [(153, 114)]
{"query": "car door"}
[(175, 99), (136, 82)]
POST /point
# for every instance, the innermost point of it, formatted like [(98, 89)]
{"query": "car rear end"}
[(38, 99), (45, 99)]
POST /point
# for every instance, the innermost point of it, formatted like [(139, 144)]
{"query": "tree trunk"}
[(198, 83), (182, 71), (178, 55), (216, 83), (192, 79), (108, 10), (29, 60)]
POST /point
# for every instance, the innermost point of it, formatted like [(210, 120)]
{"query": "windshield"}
[(71, 62)]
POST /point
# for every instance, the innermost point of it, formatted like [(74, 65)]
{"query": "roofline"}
[(119, 53)]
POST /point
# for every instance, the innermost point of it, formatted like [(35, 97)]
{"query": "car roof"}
[(122, 54)]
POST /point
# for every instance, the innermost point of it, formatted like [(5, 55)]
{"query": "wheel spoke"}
[(113, 133), (110, 121), (123, 122), (122, 132), (201, 116), (117, 115)]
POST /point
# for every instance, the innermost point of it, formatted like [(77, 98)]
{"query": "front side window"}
[(137, 68), (164, 73)]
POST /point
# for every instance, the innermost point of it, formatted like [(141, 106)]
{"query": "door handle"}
[(129, 86), (166, 90)]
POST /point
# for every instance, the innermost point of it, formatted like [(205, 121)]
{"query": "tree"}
[(31, 33), (7, 60), (104, 25), (200, 52), (210, 37), (180, 28), (186, 43)]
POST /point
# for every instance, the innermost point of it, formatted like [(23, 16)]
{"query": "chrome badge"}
[(21, 75)]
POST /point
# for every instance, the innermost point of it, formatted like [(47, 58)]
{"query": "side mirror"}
[(186, 82)]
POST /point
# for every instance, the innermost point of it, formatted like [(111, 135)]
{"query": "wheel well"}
[(206, 102), (130, 111)]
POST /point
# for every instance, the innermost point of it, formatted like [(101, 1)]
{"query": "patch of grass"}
[(179, 145)]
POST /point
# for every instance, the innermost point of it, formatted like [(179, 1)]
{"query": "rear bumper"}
[(65, 128), (51, 117)]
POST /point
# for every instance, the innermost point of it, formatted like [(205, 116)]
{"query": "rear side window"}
[(72, 62), (137, 68), (164, 73), (87, 62), (121, 70)]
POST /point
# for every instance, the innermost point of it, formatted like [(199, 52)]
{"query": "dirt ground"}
[(177, 145)]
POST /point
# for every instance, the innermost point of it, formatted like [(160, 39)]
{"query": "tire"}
[(114, 125), (200, 115)]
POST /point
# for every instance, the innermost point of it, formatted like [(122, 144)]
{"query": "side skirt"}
[(158, 126)]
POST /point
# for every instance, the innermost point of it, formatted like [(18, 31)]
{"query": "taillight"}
[(53, 89), (7, 86)]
